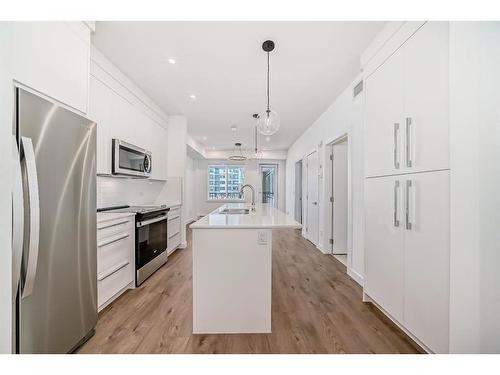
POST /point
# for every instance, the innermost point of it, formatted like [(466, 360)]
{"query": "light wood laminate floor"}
[(316, 308)]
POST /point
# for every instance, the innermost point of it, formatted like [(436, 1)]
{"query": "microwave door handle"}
[(17, 218), (34, 215)]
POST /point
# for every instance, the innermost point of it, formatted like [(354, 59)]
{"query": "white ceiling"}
[(223, 64)]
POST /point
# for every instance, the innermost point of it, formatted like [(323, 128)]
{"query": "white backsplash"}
[(112, 191)]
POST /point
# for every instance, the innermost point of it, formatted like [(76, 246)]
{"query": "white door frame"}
[(276, 181), (296, 203), (305, 208), (329, 189)]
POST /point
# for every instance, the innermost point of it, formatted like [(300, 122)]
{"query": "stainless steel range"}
[(150, 238)]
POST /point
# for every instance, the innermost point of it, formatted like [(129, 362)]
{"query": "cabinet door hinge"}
[(331, 241), (331, 199), (331, 156)]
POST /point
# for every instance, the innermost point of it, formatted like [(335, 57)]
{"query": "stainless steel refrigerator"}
[(54, 226)]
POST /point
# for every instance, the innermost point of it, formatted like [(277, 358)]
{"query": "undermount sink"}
[(235, 211)]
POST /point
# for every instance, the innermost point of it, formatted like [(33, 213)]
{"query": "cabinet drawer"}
[(111, 227), (174, 226), (173, 242), (113, 280), (174, 211), (114, 249)]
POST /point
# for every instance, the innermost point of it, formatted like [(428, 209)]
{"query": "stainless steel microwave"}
[(130, 160)]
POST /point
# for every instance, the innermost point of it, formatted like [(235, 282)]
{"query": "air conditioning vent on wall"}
[(358, 88)]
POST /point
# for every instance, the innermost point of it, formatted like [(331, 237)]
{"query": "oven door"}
[(151, 239), (130, 160)]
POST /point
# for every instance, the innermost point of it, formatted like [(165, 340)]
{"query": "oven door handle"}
[(151, 221)]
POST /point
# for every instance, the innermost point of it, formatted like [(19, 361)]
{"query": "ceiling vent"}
[(358, 88)]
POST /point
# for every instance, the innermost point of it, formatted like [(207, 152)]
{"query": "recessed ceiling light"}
[(192, 96), (268, 139), (171, 61)]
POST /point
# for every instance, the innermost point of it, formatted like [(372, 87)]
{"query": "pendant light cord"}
[(268, 84)]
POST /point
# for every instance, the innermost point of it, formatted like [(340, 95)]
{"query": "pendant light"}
[(237, 154), (257, 154), (269, 121)]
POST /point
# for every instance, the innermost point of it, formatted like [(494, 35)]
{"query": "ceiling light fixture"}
[(268, 139), (234, 128), (269, 121), (192, 96), (171, 61), (257, 154), (237, 154)]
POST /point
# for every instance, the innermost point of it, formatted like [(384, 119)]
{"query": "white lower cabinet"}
[(174, 229), (407, 252), (384, 258), (115, 256)]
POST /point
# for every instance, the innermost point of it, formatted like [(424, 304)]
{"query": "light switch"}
[(262, 238)]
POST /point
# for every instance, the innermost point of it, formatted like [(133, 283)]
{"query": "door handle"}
[(409, 184), (113, 239), (17, 218), (315, 203), (396, 159), (31, 179), (396, 187), (409, 124)]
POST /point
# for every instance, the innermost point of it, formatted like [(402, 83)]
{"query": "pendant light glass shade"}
[(268, 122)]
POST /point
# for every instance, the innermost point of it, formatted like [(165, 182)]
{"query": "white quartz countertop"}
[(264, 216)]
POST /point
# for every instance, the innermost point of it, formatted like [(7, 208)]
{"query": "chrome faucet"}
[(253, 194)]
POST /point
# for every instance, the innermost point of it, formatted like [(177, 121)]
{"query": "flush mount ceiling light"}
[(192, 96), (237, 154), (171, 61), (269, 121)]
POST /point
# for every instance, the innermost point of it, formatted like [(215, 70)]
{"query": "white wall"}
[(345, 115), (251, 177), (6, 110), (475, 183)]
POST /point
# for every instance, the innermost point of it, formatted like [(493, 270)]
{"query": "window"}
[(224, 182)]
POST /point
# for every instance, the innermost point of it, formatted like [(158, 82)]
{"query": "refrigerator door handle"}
[(17, 218), (34, 215)]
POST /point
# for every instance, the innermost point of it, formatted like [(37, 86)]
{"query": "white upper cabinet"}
[(53, 58), (117, 118), (426, 81), (407, 107), (384, 118)]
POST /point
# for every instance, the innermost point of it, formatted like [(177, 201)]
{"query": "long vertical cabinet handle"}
[(409, 184), (396, 157), (409, 124), (17, 218), (396, 187), (34, 215)]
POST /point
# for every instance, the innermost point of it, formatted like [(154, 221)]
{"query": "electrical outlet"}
[(262, 238)]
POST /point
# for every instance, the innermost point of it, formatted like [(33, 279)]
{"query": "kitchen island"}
[(232, 268)]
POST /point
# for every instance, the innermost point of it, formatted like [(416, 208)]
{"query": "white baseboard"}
[(183, 245), (323, 250), (356, 276)]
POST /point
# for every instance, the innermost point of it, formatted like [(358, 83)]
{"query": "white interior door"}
[(384, 243), (427, 258), (268, 189), (312, 228), (340, 197)]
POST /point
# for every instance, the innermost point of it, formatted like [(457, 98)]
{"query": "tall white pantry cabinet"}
[(407, 177)]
